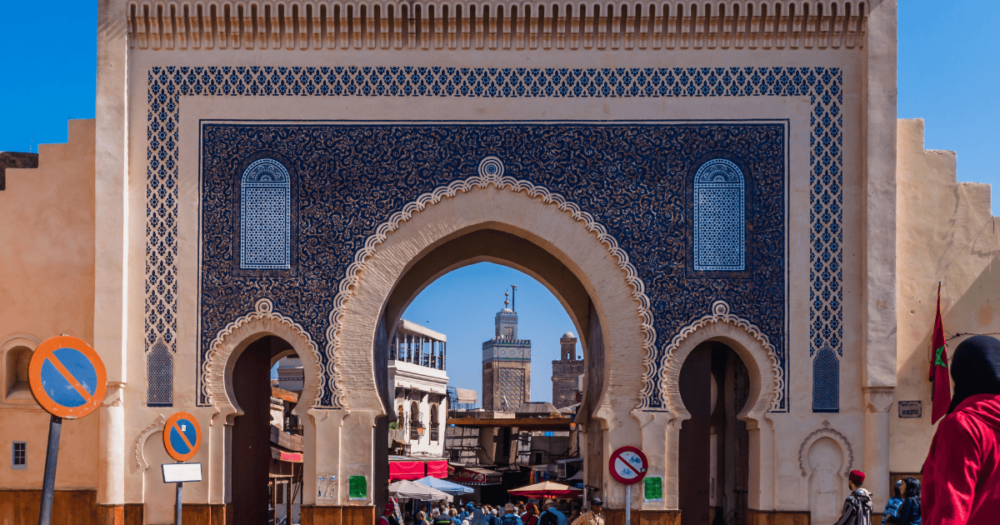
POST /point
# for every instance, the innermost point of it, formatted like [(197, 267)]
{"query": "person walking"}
[(388, 516), (442, 518), (909, 511), (858, 506), (466, 514), (894, 502), (479, 517), (962, 470), (421, 519), (530, 516), (494, 518), (552, 515), (592, 516), (510, 516)]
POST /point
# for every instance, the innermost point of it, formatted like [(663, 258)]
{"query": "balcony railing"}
[(434, 433)]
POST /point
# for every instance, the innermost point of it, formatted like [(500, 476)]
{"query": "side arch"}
[(232, 340), (757, 353), (840, 439)]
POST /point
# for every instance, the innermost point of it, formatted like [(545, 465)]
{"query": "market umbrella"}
[(546, 489), (445, 486), (411, 490)]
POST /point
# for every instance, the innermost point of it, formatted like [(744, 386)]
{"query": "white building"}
[(417, 375)]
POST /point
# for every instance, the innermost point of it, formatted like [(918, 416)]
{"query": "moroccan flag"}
[(939, 368)]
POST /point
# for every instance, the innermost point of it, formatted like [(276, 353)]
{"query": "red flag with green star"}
[(939, 368)]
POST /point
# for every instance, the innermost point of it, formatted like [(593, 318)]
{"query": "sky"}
[(949, 74)]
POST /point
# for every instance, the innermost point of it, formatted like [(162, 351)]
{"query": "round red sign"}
[(628, 465)]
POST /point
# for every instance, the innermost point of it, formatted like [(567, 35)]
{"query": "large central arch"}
[(551, 240)]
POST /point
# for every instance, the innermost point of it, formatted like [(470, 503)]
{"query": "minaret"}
[(506, 364), (566, 373)]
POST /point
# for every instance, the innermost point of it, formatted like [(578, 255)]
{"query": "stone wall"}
[(946, 233)]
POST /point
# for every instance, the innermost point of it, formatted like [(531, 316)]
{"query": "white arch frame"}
[(766, 385)]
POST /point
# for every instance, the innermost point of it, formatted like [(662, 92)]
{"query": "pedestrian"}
[(962, 470), (455, 520), (530, 515), (510, 516), (858, 506), (421, 518), (441, 518), (466, 514), (592, 516), (478, 517), (894, 502), (552, 515), (909, 510), (388, 515), (494, 519)]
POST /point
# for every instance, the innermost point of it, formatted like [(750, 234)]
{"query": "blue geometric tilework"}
[(265, 217), (719, 226), (351, 177), (826, 381), (822, 85)]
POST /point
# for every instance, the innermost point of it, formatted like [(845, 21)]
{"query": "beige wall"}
[(47, 289), (946, 233)]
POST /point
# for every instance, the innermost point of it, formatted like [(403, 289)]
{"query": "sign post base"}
[(49, 482)]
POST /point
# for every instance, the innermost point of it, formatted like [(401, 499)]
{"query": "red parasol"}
[(546, 489)]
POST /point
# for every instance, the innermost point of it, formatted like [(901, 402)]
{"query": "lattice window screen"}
[(511, 388), (719, 217), (159, 376), (826, 381), (265, 217)]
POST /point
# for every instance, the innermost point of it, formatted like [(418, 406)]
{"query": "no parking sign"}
[(67, 377), (628, 465), (181, 436)]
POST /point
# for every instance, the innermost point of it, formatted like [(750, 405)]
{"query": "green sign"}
[(652, 488), (358, 487)]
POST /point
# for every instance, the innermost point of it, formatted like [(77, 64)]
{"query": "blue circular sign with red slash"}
[(67, 377), (181, 436)]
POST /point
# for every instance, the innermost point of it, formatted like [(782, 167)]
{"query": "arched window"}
[(826, 381), (159, 376), (16, 386), (265, 217), (719, 217)]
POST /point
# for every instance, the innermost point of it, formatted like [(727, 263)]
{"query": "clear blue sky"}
[(949, 75)]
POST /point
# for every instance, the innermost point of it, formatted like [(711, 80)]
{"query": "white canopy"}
[(410, 490)]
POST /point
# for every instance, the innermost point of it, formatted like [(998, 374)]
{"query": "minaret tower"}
[(506, 364), (566, 373)]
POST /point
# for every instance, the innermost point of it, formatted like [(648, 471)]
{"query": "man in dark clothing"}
[(858, 507), (962, 471)]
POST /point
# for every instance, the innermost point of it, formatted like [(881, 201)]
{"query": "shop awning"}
[(281, 455), (477, 476), (409, 470), (437, 469)]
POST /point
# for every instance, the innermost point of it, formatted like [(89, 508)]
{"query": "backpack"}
[(548, 518), (509, 519)]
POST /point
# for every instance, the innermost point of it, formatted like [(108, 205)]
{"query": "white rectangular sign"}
[(181, 472)]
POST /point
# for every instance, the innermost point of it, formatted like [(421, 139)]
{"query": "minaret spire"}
[(513, 298)]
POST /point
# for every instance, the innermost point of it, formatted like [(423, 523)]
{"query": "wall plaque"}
[(910, 409)]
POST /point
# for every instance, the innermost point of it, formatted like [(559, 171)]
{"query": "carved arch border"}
[(138, 453), (236, 336), (767, 386), (826, 432), (491, 173)]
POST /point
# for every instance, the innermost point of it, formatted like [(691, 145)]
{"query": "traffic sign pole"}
[(180, 503), (628, 465), (49, 482), (628, 504), (68, 380)]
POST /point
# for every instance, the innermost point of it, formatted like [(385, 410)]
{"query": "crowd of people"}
[(510, 514)]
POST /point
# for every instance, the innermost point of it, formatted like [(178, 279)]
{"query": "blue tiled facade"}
[(651, 184)]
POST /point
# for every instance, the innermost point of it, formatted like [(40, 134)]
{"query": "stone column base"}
[(353, 515), (643, 517), (777, 517)]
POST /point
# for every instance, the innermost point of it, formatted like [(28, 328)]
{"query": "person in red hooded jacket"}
[(962, 470)]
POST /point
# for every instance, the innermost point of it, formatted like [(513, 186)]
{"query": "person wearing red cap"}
[(388, 516), (858, 507)]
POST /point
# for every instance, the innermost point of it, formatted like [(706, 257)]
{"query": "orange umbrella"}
[(546, 489)]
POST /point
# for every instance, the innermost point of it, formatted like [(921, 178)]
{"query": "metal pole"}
[(628, 504), (179, 504), (49, 482)]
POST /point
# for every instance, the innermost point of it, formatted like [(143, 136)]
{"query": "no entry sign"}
[(67, 377), (628, 465), (182, 436)]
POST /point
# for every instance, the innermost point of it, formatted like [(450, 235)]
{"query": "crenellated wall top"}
[(497, 24)]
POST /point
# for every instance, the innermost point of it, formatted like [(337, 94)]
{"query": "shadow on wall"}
[(977, 311)]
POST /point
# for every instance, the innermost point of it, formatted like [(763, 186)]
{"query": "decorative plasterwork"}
[(263, 321), (491, 171), (496, 24), (140, 441), (807, 443), (721, 315)]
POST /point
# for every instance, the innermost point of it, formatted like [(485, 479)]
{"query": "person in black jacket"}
[(909, 511)]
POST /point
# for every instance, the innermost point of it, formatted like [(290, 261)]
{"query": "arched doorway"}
[(258, 479), (714, 443), (486, 244)]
